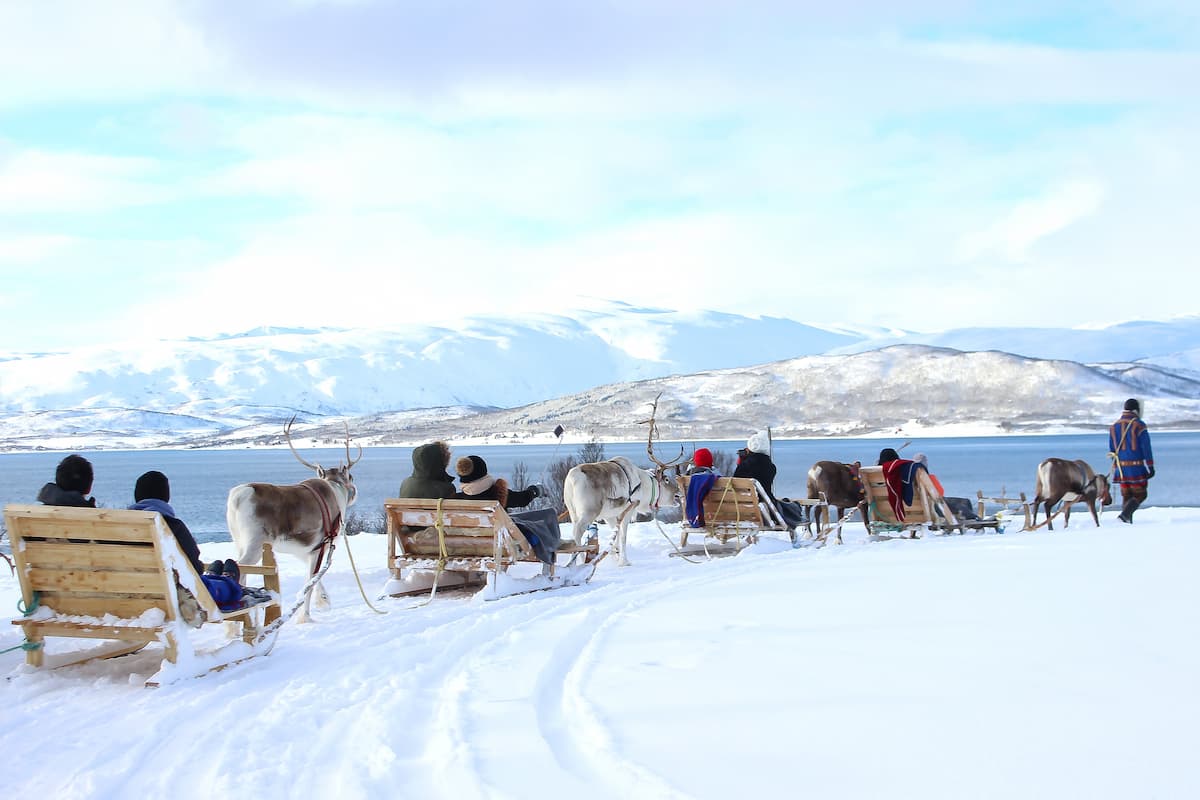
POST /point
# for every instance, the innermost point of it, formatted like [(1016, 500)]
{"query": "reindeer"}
[(616, 489), (840, 486), (298, 519), (1071, 482)]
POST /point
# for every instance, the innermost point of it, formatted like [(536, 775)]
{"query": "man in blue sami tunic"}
[(1133, 461)]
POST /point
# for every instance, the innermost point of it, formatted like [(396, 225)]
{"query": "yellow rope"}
[(361, 590)]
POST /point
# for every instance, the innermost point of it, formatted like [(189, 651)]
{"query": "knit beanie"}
[(760, 442), (470, 468), (703, 457), (152, 485), (1132, 405), (74, 474), (887, 455)]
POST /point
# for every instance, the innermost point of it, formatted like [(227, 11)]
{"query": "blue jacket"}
[(187, 542), (1129, 448)]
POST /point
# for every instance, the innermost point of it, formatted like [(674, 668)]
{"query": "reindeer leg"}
[(622, 535), (303, 614)]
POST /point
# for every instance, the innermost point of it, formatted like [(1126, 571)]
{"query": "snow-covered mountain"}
[(911, 389), (1174, 344), (478, 362), (496, 377)]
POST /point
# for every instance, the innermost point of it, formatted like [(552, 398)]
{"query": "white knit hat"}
[(760, 442)]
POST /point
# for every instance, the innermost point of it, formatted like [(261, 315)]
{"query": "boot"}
[(1128, 508)]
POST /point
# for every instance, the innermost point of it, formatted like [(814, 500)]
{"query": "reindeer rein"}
[(330, 526)]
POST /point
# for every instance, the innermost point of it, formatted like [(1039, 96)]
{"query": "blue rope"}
[(28, 611)]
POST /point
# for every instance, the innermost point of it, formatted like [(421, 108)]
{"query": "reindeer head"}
[(339, 475), (1102, 490)]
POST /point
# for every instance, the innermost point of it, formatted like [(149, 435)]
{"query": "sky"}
[(186, 169)]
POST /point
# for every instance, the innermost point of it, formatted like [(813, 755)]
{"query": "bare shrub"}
[(591, 452), (520, 475), (365, 522), (724, 463)]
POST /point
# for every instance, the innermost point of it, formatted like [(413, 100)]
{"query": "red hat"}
[(702, 458)]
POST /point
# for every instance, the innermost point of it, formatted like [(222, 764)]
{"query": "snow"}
[(1045, 664)]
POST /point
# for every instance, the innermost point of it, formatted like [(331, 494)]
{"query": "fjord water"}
[(201, 479)]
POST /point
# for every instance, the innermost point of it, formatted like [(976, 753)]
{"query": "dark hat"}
[(470, 468), (152, 485), (74, 474), (1132, 405), (887, 455), (703, 457)]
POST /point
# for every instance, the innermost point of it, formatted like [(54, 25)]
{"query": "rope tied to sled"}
[(439, 524), (27, 610)]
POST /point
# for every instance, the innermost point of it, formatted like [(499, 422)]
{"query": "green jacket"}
[(429, 478)]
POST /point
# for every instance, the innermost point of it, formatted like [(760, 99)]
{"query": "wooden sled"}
[(919, 516), (1006, 505), (120, 575), (736, 511), (453, 543)]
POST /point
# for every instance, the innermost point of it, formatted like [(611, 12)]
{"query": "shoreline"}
[(945, 432)]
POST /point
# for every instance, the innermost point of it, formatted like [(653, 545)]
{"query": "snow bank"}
[(1016, 665)]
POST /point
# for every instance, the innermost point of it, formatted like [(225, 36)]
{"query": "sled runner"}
[(736, 511), (120, 575), (450, 543)]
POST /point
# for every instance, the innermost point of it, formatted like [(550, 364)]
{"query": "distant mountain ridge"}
[(481, 374)]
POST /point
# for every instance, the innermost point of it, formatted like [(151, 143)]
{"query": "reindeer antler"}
[(652, 422), (287, 434), (351, 462)]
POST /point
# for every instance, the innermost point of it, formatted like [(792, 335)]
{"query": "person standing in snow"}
[(72, 483), (1133, 460)]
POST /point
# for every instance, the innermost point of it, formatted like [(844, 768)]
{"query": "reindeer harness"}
[(330, 525)]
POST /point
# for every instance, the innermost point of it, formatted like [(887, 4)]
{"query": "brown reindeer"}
[(840, 486), (1072, 482), (298, 519)]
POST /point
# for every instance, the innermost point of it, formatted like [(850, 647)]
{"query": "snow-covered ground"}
[(1047, 664)]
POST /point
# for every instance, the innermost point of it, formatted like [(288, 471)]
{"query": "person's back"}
[(755, 462), (478, 484), (701, 478), (72, 483), (1133, 459), (152, 492), (429, 478)]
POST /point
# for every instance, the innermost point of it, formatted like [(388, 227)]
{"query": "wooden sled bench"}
[(117, 575), (449, 543), (736, 511), (920, 515)]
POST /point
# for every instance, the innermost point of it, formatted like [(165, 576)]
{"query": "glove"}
[(1150, 474), (536, 490)]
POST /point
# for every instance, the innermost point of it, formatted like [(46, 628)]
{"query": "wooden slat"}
[(145, 583), (85, 605), (86, 554), (85, 631), (78, 531)]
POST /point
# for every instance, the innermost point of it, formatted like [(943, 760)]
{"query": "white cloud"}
[(33, 181), (1033, 219)]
